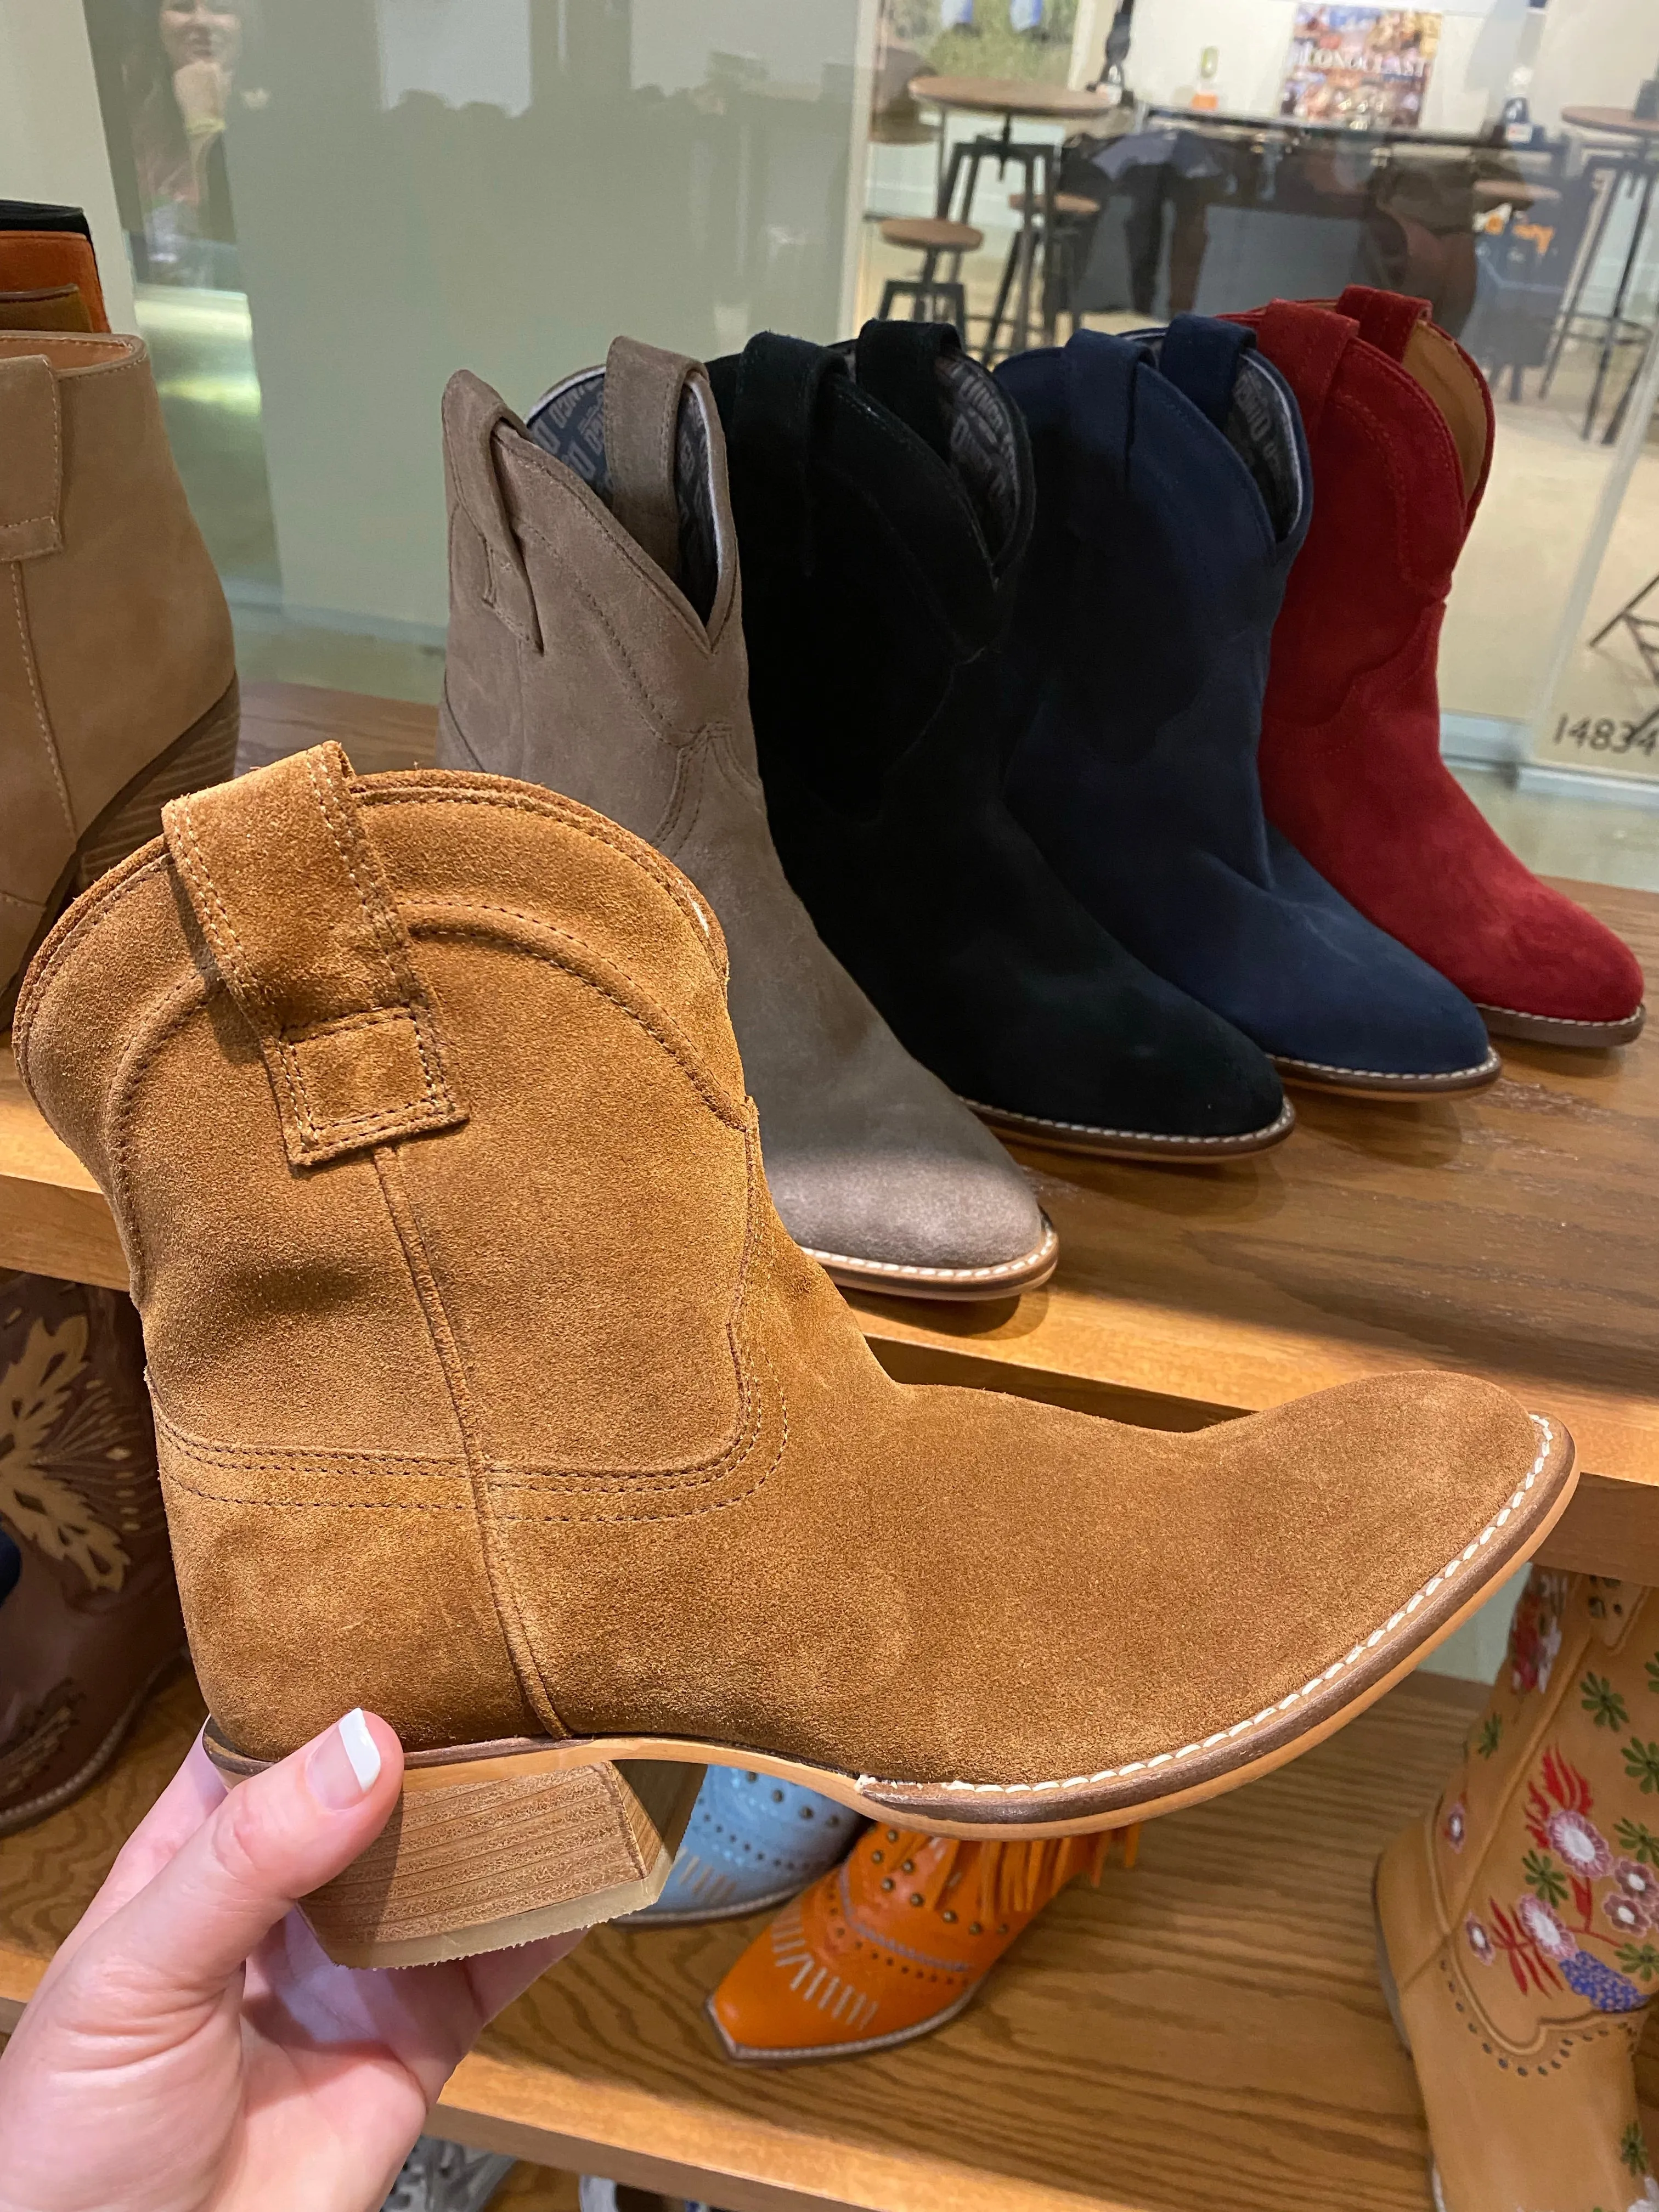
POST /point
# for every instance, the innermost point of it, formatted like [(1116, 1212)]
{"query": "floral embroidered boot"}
[(88, 1612), (892, 1942), (1519, 1922)]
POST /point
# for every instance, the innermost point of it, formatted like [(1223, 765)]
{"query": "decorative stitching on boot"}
[(1038, 1253), (1562, 1021), (1268, 1713), (1381, 1075), (1285, 1120), (47, 738)]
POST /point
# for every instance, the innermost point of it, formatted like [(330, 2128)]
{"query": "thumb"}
[(274, 1840)]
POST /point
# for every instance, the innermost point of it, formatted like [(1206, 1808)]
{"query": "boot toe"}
[(920, 1213)]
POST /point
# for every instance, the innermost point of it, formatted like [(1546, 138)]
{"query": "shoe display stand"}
[(1207, 2028)]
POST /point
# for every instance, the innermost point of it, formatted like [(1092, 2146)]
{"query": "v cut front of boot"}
[(1173, 496), (118, 675), (596, 646), (1400, 428), (883, 500), (491, 1396)]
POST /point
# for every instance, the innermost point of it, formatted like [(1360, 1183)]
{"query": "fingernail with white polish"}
[(361, 1749), (344, 1764)]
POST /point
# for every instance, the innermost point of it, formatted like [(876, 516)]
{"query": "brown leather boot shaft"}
[(114, 635), (1520, 1918), (92, 1618)]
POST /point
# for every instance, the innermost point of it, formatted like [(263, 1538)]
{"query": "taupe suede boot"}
[(88, 1613), (118, 677), (491, 1393), (596, 646)]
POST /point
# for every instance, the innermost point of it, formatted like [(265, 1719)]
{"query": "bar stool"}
[(934, 237), (1055, 231)]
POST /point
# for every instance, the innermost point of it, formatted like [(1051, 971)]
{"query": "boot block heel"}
[(205, 754), (484, 1852)]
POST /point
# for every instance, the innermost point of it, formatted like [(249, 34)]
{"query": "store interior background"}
[(418, 185)]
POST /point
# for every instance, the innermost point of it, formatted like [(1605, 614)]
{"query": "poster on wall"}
[(1365, 68)]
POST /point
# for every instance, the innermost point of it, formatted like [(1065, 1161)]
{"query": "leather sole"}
[(1363, 1083), (1547, 1029), (893, 1278), (747, 2054), (498, 1844), (1133, 1144), (205, 754)]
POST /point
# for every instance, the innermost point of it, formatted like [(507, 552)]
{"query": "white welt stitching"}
[(1563, 1021), (1191, 1750), (1286, 1117), (1039, 1252), (1377, 1075)]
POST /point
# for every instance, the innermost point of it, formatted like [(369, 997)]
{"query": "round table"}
[(1008, 96)]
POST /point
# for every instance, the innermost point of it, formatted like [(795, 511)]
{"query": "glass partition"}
[(332, 203)]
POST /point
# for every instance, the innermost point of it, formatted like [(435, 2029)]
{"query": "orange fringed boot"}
[(892, 1942)]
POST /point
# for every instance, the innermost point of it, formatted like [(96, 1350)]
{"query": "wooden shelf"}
[(1206, 2030), (1511, 1235)]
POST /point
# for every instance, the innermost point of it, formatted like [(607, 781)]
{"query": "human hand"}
[(192, 2049)]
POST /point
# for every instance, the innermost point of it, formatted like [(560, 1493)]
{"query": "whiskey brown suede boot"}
[(88, 1614), (491, 1393), (596, 646), (1519, 1921), (118, 679)]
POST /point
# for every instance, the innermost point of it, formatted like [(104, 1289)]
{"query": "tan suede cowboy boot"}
[(88, 1614), (118, 679), (491, 1393), (596, 646), (1519, 1921)]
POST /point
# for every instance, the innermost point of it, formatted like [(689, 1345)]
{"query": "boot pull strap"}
[(1201, 357), (298, 916), (1386, 320), (1306, 342), (775, 388), (31, 458), (472, 414), (898, 365), (642, 388)]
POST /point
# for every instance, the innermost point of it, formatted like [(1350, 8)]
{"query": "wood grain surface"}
[(1204, 2031), (1511, 1235)]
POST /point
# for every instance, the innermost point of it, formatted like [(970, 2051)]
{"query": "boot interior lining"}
[(1435, 362), (568, 423), (1260, 428), (983, 448)]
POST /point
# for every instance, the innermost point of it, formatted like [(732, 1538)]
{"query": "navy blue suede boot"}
[(1173, 493), (880, 544)]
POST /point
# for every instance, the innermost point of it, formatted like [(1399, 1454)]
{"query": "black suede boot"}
[(883, 500)]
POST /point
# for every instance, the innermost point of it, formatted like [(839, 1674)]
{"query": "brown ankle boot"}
[(1519, 1921), (88, 1614), (490, 1393), (118, 680)]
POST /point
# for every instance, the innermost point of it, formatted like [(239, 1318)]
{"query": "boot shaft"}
[(596, 629), (1172, 497), (122, 638), (276, 1040), (1541, 1859), (1398, 424), (883, 493)]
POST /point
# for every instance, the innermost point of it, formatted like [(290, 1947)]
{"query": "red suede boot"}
[(1399, 426)]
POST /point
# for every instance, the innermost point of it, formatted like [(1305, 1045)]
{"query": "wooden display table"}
[(1206, 2030)]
